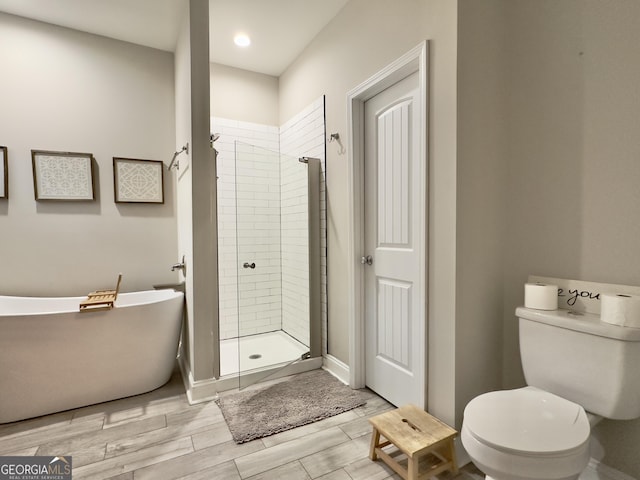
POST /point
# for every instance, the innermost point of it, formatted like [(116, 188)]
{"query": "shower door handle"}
[(249, 265)]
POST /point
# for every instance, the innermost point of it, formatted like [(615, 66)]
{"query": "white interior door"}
[(395, 180)]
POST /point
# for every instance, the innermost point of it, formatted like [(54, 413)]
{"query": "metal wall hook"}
[(180, 266), (335, 137)]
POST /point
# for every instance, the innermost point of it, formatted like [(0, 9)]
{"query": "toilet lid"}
[(527, 420)]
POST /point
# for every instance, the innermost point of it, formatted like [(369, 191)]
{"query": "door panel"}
[(394, 163), (394, 214), (394, 322)]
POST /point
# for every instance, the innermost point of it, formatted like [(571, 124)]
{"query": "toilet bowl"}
[(526, 434), (572, 364)]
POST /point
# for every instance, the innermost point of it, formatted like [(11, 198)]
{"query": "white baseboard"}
[(600, 471), (594, 471), (462, 456), (336, 367), (185, 372), (197, 391)]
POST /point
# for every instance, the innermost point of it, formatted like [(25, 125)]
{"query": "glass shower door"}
[(273, 262)]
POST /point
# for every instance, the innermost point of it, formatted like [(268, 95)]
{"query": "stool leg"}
[(375, 441), (412, 463), (452, 455)]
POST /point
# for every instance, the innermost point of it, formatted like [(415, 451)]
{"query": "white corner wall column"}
[(197, 205), (204, 207)]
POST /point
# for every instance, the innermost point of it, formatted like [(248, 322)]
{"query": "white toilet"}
[(573, 364)]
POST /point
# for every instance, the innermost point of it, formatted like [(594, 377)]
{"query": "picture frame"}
[(138, 181), (4, 173), (63, 176)]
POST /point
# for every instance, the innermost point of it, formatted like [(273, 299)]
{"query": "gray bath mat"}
[(298, 400)]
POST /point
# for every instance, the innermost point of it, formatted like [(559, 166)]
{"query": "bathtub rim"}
[(123, 301)]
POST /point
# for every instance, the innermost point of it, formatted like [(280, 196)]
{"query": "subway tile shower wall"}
[(257, 189), (264, 193)]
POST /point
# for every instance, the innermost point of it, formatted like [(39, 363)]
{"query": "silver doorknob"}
[(368, 260), (248, 265)]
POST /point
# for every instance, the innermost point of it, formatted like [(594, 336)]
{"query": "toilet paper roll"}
[(620, 309), (541, 296)]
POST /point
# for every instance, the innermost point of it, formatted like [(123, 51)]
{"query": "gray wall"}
[(482, 166), (574, 163), (64, 90), (363, 38), (197, 218), (238, 94), (534, 157)]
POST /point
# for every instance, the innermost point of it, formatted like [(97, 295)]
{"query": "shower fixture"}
[(185, 148), (212, 139)]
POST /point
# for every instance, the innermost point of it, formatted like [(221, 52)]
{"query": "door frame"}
[(416, 60)]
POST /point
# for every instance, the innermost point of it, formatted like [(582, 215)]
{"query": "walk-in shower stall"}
[(270, 259)]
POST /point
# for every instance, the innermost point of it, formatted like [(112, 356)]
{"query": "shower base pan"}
[(257, 352)]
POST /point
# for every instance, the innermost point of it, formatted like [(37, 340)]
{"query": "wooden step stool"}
[(419, 436)]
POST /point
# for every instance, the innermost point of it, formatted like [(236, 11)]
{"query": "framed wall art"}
[(64, 176), (4, 173), (138, 181)]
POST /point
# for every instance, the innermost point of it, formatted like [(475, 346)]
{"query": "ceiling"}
[(279, 29)]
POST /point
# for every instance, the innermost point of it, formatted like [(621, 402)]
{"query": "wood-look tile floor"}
[(159, 436)]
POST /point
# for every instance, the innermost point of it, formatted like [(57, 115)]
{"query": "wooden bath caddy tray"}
[(101, 299)]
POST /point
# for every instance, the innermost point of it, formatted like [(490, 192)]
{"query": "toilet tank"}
[(580, 358)]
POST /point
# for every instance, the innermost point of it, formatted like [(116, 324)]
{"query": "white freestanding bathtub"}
[(54, 358)]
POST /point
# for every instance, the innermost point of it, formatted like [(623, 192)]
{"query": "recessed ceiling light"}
[(242, 40)]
